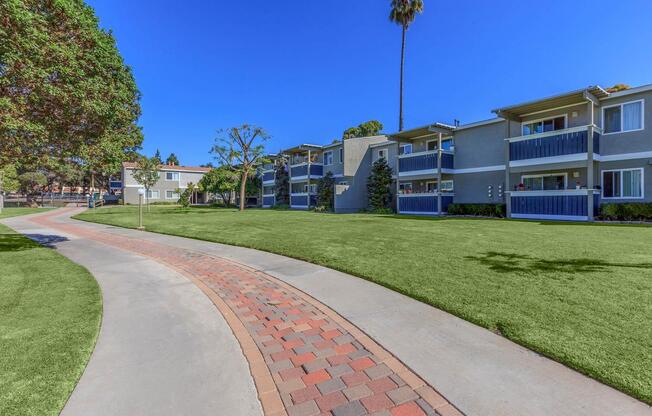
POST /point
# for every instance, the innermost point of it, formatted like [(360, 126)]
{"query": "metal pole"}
[(140, 212)]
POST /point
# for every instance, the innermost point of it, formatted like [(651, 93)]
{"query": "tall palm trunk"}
[(400, 111), (243, 186)]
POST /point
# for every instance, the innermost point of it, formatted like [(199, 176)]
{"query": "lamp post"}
[(141, 192)]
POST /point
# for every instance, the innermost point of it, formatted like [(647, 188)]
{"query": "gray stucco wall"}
[(480, 146), (337, 168), (634, 141), (357, 167), (472, 188)]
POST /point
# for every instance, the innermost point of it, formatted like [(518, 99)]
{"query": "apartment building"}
[(171, 179), (554, 158), (349, 161)]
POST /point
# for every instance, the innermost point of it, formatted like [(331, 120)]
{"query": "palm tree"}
[(403, 13)]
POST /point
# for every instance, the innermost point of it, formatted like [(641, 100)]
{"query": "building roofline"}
[(171, 168), (634, 90)]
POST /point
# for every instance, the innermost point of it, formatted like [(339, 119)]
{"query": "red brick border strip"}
[(305, 359)]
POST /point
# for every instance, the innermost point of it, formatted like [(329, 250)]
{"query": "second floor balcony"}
[(269, 176), (553, 146), (424, 163), (301, 171)]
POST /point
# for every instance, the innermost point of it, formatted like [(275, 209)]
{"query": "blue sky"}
[(306, 70)]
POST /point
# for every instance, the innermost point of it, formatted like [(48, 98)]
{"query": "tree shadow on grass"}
[(15, 242), (520, 263)]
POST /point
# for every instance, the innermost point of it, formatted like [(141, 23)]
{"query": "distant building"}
[(172, 179)]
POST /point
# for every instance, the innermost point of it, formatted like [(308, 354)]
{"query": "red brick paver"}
[(304, 358)]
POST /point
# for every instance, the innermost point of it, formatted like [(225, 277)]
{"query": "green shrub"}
[(627, 211), (322, 208), (483, 210), (281, 207)]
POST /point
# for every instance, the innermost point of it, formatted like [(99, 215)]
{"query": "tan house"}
[(172, 179)]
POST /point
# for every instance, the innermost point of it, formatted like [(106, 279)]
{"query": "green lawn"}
[(580, 293), (50, 313), (14, 212)]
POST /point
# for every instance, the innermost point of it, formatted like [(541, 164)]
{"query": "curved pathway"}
[(306, 359)]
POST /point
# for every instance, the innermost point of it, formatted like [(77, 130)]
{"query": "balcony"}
[(424, 163), (423, 204), (300, 200), (269, 201), (301, 171), (552, 147), (568, 204), (269, 176)]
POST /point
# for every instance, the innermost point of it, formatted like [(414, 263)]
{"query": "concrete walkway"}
[(479, 372), (162, 349)]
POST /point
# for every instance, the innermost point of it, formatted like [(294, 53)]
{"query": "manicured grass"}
[(14, 212), (579, 293), (50, 313)]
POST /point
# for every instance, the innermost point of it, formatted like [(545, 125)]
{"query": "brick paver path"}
[(304, 358)]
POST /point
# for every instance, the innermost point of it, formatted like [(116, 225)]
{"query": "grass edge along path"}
[(50, 318), (581, 303)]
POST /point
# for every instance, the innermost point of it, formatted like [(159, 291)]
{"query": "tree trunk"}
[(400, 111), (243, 187)]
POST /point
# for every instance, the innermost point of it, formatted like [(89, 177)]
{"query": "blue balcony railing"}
[(553, 144), (423, 204), (425, 161), (302, 200), (115, 184), (268, 201), (302, 170), (551, 204), (268, 176)]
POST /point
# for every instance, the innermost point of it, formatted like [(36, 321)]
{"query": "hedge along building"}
[(558, 157)]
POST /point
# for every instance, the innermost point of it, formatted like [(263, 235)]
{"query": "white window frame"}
[(330, 153), (150, 194), (404, 146), (543, 175), (173, 179), (310, 188), (540, 120), (173, 192), (382, 154), (602, 172), (448, 139), (437, 189), (345, 183), (341, 154), (622, 115)]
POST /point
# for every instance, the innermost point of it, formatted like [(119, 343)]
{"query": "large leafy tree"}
[(379, 185), (65, 91), (242, 149), (147, 174), (220, 181), (366, 129), (403, 13)]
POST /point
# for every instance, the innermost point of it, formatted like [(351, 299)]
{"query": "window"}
[(171, 176), (382, 154), (341, 155), (623, 117), (328, 158), (405, 188), (405, 149), (624, 183), (153, 194), (446, 144), (544, 126), (313, 188), (343, 183), (446, 186), (550, 182), (171, 195)]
